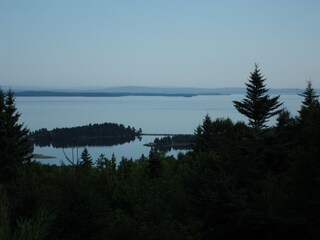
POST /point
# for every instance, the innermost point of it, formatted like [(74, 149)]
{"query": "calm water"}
[(152, 114)]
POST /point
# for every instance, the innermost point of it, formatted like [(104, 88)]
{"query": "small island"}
[(175, 142), (104, 134)]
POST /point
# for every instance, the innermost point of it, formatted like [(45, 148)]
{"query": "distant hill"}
[(145, 91), (163, 90), (196, 91), (95, 94)]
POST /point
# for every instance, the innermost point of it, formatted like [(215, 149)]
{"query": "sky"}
[(163, 43)]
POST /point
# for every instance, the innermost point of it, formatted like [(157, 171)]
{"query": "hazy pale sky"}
[(189, 43)]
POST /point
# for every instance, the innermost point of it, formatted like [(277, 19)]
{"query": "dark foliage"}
[(15, 149), (310, 96), (105, 134), (177, 142), (258, 106), (233, 185)]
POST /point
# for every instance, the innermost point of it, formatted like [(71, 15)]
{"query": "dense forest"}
[(105, 134), (240, 181)]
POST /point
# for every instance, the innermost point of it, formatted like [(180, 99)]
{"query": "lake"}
[(173, 115)]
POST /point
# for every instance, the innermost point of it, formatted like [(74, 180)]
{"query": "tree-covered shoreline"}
[(175, 142)]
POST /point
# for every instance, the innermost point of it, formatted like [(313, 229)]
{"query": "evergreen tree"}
[(154, 163), (15, 147), (101, 162), (204, 135), (310, 96), (309, 118), (258, 106), (86, 159), (2, 129)]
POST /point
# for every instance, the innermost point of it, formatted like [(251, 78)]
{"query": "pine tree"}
[(309, 117), (204, 135), (310, 96), (3, 140), (15, 147), (154, 163), (258, 106), (86, 159)]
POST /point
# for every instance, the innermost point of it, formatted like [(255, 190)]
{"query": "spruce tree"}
[(15, 147), (204, 135), (309, 117), (86, 159), (3, 139), (310, 96), (258, 106)]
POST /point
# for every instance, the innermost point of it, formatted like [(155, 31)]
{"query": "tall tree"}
[(258, 106), (86, 159), (310, 96), (2, 126), (204, 135), (15, 147), (309, 117)]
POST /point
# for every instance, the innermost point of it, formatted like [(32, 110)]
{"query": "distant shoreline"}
[(41, 156), (102, 94), (144, 92)]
